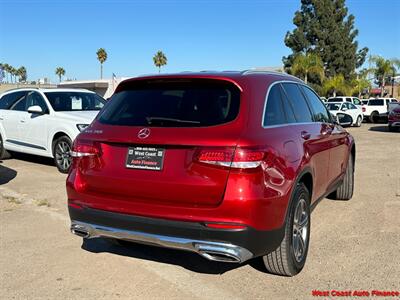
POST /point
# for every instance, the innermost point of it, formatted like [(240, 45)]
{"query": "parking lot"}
[(354, 245)]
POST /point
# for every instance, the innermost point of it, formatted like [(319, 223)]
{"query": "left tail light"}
[(83, 148)]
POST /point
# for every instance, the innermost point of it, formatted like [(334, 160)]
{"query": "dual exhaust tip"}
[(210, 250)]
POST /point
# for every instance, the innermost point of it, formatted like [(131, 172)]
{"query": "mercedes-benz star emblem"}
[(143, 133)]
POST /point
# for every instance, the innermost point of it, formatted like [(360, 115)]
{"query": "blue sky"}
[(195, 35)]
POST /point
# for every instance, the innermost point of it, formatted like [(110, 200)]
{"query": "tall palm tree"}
[(22, 74), (309, 63), (160, 60), (383, 68), (101, 57), (13, 72), (336, 84), (6, 68), (60, 72)]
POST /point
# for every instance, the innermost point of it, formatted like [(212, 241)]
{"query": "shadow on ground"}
[(381, 128), (187, 260), (6, 174), (33, 158)]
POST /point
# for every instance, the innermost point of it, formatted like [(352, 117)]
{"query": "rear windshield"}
[(178, 103), (375, 102), (75, 101), (335, 100)]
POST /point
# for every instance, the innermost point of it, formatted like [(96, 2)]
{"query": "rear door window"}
[(173, 103), (274, 114), (20, 105), (320, 113), (375, 102), (299, 104), (8, 100)]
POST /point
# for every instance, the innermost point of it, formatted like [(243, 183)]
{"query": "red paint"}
[(189, 188)]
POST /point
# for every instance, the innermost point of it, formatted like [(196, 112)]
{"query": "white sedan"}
[(347, 108)]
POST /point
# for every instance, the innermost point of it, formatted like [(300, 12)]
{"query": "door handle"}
[(22, 121), (305, 135)]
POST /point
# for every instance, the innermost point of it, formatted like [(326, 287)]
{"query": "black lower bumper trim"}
[(256, 241)]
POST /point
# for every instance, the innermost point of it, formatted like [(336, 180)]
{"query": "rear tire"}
[(345, 190), (3, 152), (289, 258), (374, 117), (61, 152)]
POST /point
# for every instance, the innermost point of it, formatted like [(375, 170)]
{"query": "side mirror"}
[(344, 109), (344, 120), (35, 109)]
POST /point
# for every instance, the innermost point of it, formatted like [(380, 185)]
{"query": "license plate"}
[(146, 158)]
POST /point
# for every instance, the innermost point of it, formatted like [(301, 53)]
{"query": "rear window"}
[(173, 103), (375, 102)]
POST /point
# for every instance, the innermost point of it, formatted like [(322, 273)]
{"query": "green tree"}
[(383, 69), (60, 72), (159, 60), (101, 57), (305, 64), (336, 85), (360, 83), (325, 28)]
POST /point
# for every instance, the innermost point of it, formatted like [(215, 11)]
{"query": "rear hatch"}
[(153, 138)]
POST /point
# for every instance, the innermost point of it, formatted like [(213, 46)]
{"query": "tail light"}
[(83, 148), (363, 109), (86, 154), (241, 158)]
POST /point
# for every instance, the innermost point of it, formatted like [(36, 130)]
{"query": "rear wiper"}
[(151, 120)]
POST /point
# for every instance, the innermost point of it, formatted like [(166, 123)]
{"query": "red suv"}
[(227, 165)]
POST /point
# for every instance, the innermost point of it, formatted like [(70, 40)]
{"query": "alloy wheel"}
[(300, 230), (63, 156)]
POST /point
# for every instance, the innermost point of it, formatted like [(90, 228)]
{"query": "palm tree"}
[(22, 74), (101, 57), (159, 60), (336, 84), (310, 63), (60, 72), (6, 68), (13, 72), (383, 69)]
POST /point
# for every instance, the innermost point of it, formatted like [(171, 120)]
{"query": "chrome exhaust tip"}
[(223, 253), (80, 230)]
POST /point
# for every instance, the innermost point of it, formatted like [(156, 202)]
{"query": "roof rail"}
[(255, 71), (21, 88)]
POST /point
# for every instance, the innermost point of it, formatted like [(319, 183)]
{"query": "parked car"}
[(394, 116), (350, 99), (349, 108), (45, 121), (377, 109), (227, 165)]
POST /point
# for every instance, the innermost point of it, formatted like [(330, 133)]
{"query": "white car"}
[(45, 121), (348, 108), (350, 99)]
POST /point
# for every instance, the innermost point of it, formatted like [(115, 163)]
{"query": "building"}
[(103, 87)]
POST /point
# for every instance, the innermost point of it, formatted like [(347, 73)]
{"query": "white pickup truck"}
[(377, 109)]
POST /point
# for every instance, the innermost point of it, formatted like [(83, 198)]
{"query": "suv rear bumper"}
[(236, 245)]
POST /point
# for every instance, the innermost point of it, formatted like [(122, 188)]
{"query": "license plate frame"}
[(145, 158)]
